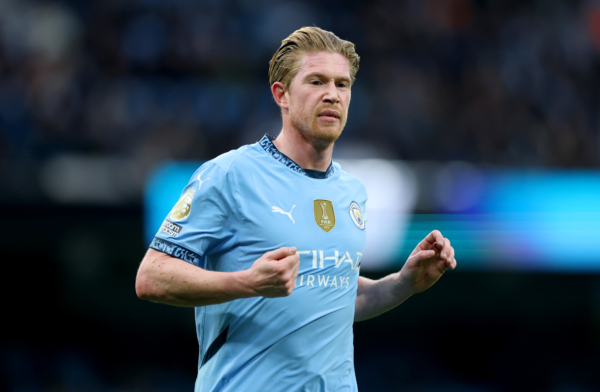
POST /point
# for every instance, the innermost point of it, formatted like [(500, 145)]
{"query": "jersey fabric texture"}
[(235, 208)]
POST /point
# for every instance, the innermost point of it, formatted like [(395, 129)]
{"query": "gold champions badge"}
[(183, 207), (324, 215)]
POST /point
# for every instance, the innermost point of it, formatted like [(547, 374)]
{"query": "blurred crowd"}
[(489, 82)]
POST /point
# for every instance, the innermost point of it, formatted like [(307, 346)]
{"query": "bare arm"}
[(169, 280), (426, 264), (375, 297)]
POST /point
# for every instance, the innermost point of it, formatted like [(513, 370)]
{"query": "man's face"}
[(319, 97)]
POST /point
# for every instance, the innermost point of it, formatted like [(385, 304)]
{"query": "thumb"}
[(281, 253)]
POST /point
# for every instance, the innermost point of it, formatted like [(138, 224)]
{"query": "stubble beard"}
[(319, 137)]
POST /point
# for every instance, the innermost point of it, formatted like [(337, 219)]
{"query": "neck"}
[(302, 151)]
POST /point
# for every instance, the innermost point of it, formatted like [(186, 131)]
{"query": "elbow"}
[(143, 287)]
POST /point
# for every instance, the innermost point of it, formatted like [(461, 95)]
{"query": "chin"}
[(326, 135), (320, 136)]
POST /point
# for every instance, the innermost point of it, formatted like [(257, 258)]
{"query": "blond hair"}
[(285, 63)]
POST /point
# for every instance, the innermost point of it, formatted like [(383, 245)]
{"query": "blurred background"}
[(481, 117)]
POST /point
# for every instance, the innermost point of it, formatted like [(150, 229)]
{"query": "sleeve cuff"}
[(177, 251)]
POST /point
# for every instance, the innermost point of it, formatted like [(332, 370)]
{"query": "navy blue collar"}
[(267, 143)]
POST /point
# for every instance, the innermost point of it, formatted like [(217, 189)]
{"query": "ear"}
[(279, 94)]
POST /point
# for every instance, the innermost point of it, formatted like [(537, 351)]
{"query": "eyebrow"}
[(322, 76)]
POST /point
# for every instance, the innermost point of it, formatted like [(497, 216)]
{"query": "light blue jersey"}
[(239, 206)]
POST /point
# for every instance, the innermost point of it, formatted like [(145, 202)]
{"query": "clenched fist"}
[(274, 273)]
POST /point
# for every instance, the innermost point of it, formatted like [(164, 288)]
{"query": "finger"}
[(292, 282), (435, 238), (450, 263), (281, 253), (292, 261), (440, 244), (293, 285), (424, 254), (295, 276), (452, 253), (447, 252), (296, 264)]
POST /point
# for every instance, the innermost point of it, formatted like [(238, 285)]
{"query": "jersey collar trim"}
[(267, 143)]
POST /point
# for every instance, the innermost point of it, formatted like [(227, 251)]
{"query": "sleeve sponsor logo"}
[(176, 251), (170, 228)]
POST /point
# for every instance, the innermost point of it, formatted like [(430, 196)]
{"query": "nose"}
[(331, 93)]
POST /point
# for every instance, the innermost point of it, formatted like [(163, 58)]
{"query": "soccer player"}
[(266, 241)]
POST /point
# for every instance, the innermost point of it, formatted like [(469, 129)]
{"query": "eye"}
[(315, 82)]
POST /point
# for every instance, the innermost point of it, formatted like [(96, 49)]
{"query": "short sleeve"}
[(202, 221)]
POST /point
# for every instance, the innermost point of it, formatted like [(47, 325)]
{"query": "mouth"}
[(329, 115)]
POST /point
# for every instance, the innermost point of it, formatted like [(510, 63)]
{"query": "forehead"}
[(324, 63)]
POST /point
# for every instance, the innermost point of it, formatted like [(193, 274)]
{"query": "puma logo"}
[(289, 214), (200, 180)]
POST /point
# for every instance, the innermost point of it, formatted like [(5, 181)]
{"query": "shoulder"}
[(226, 171), (347, 177), (354, 187), (230, 161), (239, 159)]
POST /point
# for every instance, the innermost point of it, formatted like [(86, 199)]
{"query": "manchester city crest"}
[(183, 207), (324, 214), (357, 215)]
